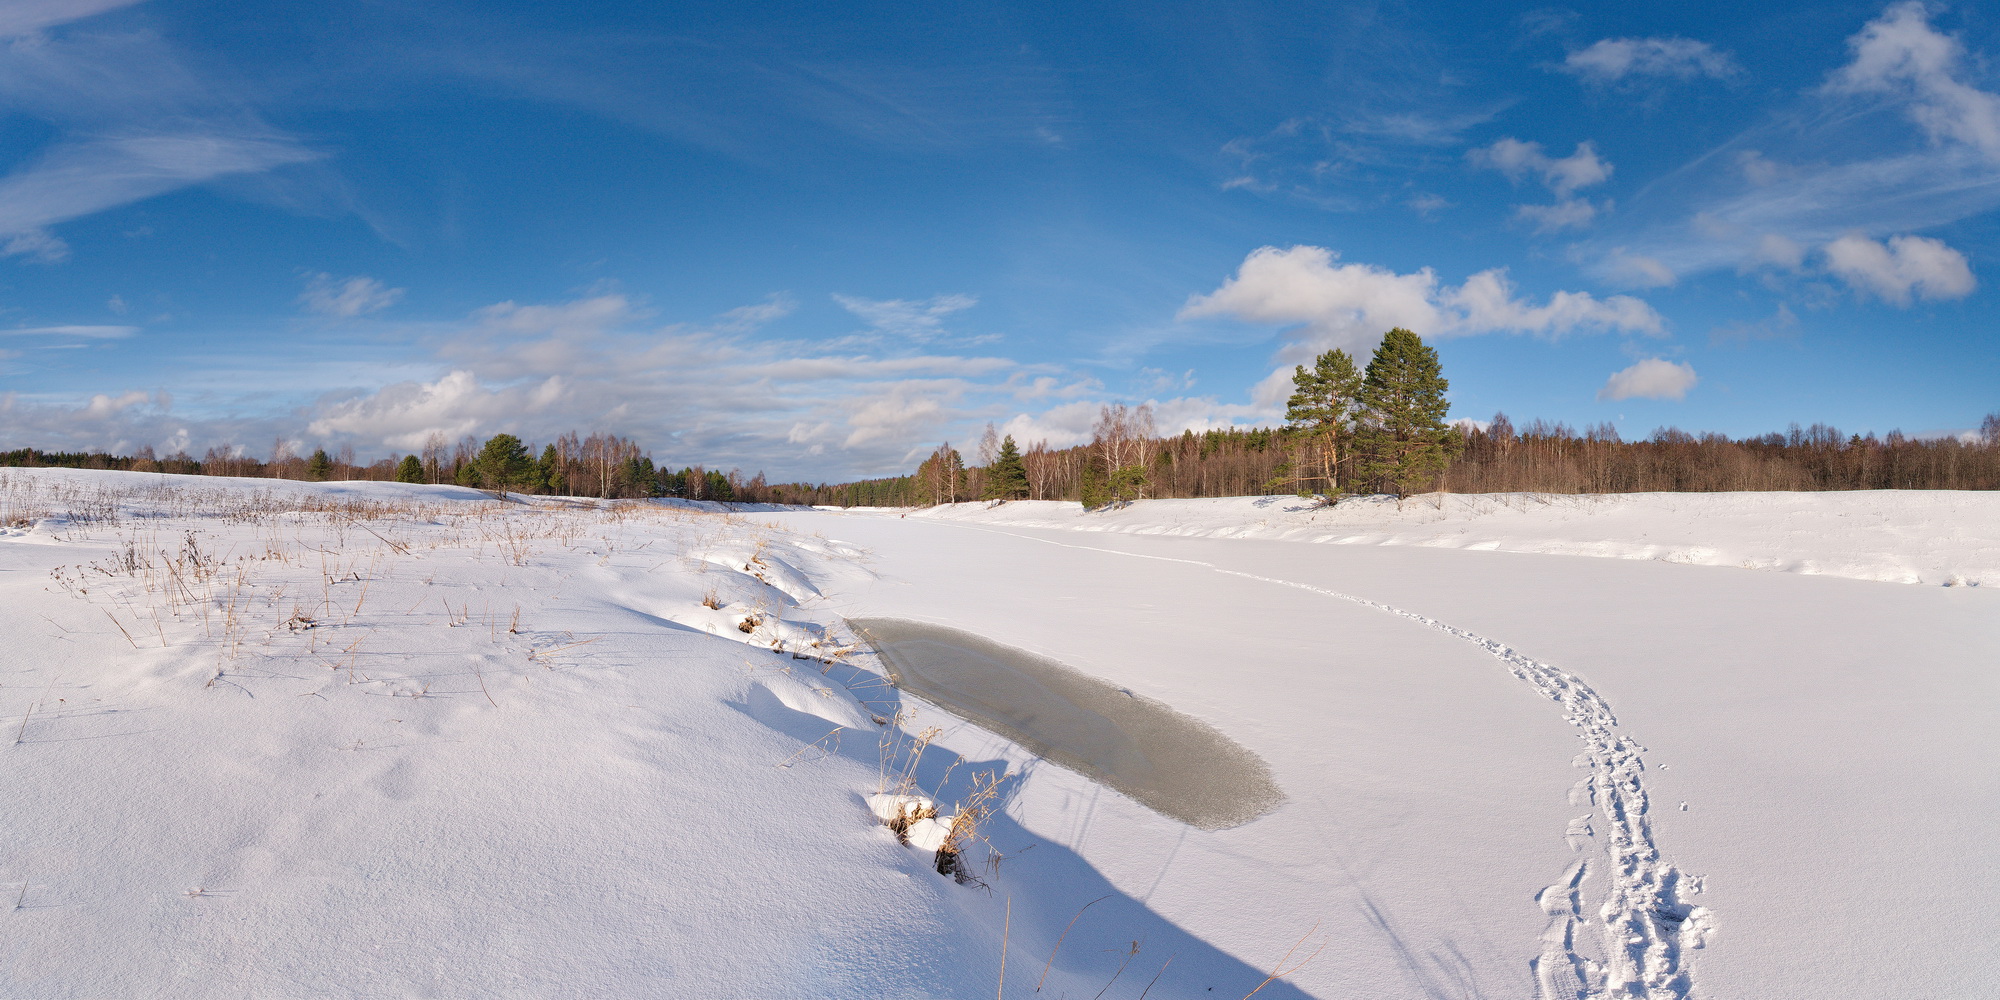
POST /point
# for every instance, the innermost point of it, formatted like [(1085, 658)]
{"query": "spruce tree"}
[(550, 471), (1007, 478), (410, 470), (1094, 491), (1403, 439), (319, 466), (1322, 409)]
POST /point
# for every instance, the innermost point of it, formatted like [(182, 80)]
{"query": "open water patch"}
[(1170, 762)]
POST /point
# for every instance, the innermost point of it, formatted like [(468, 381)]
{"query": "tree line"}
[(600, 465), (1382, 430)]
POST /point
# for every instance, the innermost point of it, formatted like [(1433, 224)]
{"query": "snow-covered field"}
[(369, 739)]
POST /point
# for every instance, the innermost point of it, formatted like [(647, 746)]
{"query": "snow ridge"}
[(1646, 928)]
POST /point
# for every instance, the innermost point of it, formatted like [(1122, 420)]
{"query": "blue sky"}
[(817, 239)]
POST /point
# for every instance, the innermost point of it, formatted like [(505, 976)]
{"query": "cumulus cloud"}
[(118, 422), (1900, 55), (1905, 266), (347, 297), (1518, 159), (405, 414), (1653, 378), (920, 320), (1562, 176), (1615, 59), (1350, 305)]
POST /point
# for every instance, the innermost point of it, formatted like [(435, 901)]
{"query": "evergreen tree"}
[(1403, 439), (715, 486), (1095, 492), (1322, 409), (503, 464), (410, 470), (319, 466), (1007, 478), (1129, 483), (550, 471)]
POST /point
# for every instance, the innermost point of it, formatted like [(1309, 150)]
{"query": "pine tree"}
[(503, 464), (1007, 478), (1322, 409), (319, 466), (1403, 439), (410, 470)]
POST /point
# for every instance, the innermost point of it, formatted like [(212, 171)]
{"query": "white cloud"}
[(405, 414), (746, 318), (1653, 378), (90, 176), (1486, 303), (347, 297), (128, 120), (919, 320), (1517, 159), (91, 332), (1614, 59), (1905, 265), (1901, 55), (1581, 169), (1427, 206), (1569, 213), (117, 305), (38, 245), (1758, 169), (1351, 305), (1779, 251), (21, 17), (1640, 270)]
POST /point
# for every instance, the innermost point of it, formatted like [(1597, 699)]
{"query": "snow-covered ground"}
[(1945, 537), (372, 739)]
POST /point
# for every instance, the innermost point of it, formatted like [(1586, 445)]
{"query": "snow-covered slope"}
[(1942, 537)]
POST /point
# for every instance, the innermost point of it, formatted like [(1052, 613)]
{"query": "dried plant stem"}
[(121, 627), (1006, 929), (476, 672), (1059, 940), (1156, 976), (1279, 971)]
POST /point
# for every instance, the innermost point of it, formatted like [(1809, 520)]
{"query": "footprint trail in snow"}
[(1645, 928)]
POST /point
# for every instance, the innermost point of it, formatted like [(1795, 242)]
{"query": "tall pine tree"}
[(1322, 410), (1403, 440)]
